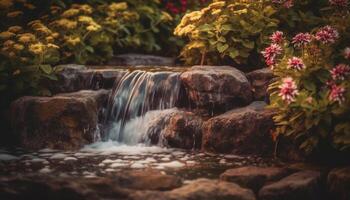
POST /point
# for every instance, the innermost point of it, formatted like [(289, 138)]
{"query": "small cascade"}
[(136, 94)]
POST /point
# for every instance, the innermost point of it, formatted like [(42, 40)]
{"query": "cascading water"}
[(138, 99)]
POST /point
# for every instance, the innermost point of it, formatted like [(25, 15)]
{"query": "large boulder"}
[(201, 189), (260, 80), (244, 131), (72, 78), (140, 59), (339, 183), (300, 185), (176, 128), (216, 88), (253, 177), (64, 121)]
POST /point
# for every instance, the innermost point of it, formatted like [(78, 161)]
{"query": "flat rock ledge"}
[(73, 78), (300, 185), (140, 59), (216, 88), (241, 131), (64, 121), (254, 177)]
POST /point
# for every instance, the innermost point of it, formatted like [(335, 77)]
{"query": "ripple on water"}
[(101, 159)]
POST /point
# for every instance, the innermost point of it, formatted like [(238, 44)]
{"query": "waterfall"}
[(132, 99)]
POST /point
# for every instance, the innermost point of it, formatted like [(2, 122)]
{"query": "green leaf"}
[(47, 69), (206, 27), (90, 49), (248, 44), (222, 47), (234, 53)]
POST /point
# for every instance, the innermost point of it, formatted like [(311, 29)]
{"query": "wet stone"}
[(300, 185), (253, 177), (338, 183)]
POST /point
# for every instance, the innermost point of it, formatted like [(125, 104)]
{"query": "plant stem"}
[(203, 58)]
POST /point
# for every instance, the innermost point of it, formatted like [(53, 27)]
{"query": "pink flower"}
[(327, 35), (309, 100), (337, 94), (301, 39), (277, 37), (288, 90), (347, 53), (296, 63), (271, 52), (340, 71), (340, 3)]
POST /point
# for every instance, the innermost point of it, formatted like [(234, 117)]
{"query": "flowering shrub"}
[(312, 89), (35, 35), (225, 29), (27, 58)]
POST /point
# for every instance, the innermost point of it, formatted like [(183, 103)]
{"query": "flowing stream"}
[(136, 100)]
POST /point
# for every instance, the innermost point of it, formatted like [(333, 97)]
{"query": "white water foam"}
[(113, 147)]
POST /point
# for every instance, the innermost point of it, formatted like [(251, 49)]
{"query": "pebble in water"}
[(58, 156), (45, 170), (7, 157), (70, 159), (173, 164)]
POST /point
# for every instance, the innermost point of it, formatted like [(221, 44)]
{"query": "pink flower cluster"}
[(340, 72), (340, 3), (285, 3), (270, 54), (296, 63), (301, 39), (277, 37), (347, 53), (288, 90), (337, 93), (327, 35)]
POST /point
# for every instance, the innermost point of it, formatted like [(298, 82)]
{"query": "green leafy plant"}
[(227, 29), (312, 89), (36, 36), (27, 58)]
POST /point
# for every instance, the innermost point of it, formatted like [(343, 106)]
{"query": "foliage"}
[(312, 90), (26, 58), (37, 35), (237, 29)]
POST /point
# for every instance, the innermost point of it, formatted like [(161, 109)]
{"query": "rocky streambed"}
[(141, 132), (115, 171)]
